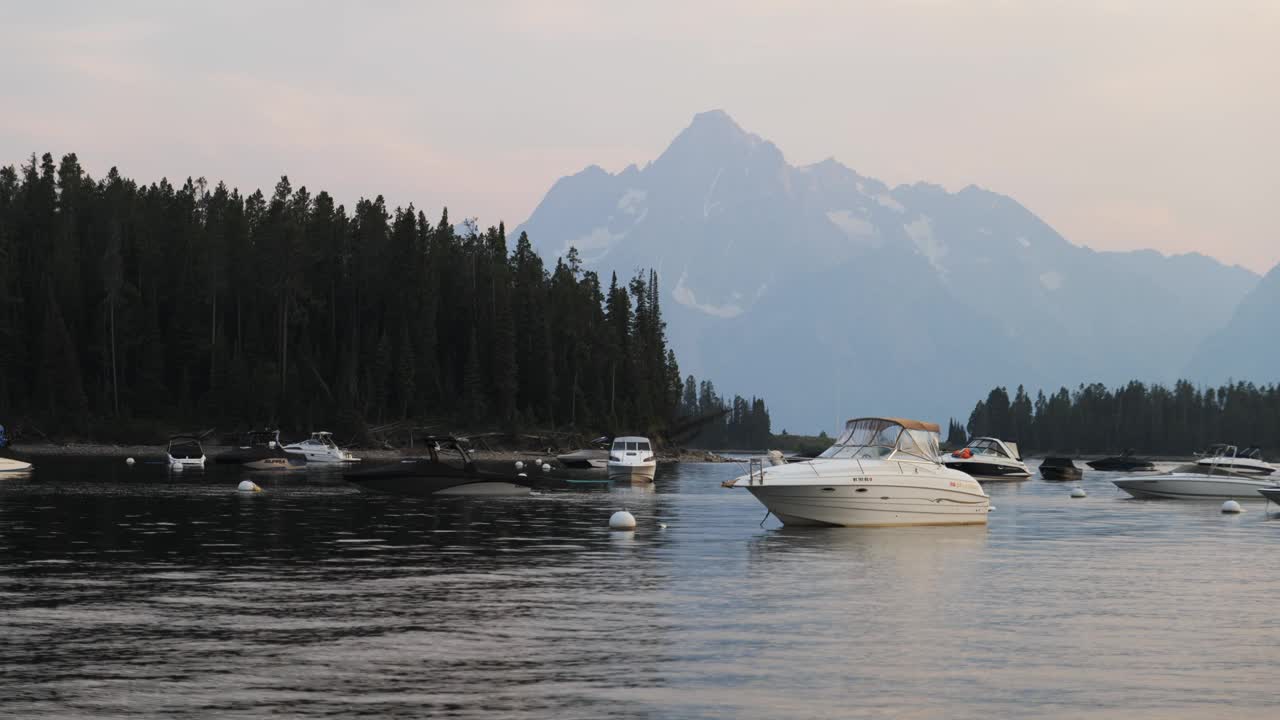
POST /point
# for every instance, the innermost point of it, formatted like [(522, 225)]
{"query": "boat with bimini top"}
[(320, 448), (261, 450), (881, 471)]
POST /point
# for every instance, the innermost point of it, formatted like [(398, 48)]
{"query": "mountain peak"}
[(713, 137)]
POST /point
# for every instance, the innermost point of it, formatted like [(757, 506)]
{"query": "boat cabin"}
[(185, 447), (885, 438), (260, 438), (631, 447), (320, 440), (993, 447)]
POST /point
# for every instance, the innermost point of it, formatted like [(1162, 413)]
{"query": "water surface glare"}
[(135, 592)]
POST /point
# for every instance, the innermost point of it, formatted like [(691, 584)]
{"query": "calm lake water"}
[(134, 592)]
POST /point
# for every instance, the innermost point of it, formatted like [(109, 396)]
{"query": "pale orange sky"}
[(1122, 124)]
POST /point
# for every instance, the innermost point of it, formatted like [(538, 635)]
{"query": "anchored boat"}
[(447, 469), (1060, 468), (631, 458), (880, 472), (185, 451), (261, 450), (988, 458), (320, 448)]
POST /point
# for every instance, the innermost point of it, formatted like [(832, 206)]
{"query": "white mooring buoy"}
[(546, 467), (1078, 492), (622, 520), (1231, 506), (129, 461), (248, 486), (519, 464)]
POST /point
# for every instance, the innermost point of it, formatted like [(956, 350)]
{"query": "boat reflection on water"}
[(912, 550)]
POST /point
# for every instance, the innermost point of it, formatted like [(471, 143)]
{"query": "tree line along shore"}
[(1157, 420), (132, 308)]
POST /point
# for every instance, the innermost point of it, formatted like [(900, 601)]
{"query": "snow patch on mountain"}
[(685, 296), (593, 246), (632, 201), (854, 228), (887, 200), (920, 231)]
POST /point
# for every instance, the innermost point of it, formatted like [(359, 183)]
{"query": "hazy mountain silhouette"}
[(1248, 346), (834, 295)]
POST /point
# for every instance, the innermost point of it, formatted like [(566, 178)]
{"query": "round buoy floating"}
[(546, 467), (622, 520), (1078, 492), (519, 464), (1232, 507), (129, 461), (662, 526), (248, 486)]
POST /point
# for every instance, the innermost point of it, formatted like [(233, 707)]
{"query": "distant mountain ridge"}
[(832, 294)]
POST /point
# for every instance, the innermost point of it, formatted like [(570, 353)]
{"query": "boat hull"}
[(585, 459), (1061, 473), (881, 505), (321, 458), (427, 479), (277, 464), (1272, 494), (988, 471), (182, 463), (1121, 465), (9, 465), (632, 473), (1188, 486)]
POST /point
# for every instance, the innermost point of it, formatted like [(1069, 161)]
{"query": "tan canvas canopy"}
[(908, 424)]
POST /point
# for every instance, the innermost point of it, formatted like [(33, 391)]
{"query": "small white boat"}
[(1197, 482), (185, 451), (631, 458), (882, 472), (1226, 457), (9, 465), (320, 448), (988, 458)]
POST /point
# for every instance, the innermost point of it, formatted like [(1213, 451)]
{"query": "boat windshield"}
[(987, 446), (624, 445), (877, 439)]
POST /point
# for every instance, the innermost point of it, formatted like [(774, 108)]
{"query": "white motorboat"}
[(1226, 457), (880, 472), (320, 448), (185, 451), (631, 458), (9, 465), (988, 458), (1193, 482)]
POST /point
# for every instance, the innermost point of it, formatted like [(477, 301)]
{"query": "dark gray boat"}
[(1060, 468), (1124, 462), (447, 469)]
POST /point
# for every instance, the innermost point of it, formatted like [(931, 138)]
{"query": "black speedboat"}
[(448, 469), (1271, 494), (261, 450), (1124, 462), (1060, 468)]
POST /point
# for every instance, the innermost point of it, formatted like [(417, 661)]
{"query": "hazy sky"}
[(1123, 124)]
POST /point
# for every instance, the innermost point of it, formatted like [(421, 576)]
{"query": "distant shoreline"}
[(108, 450)]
